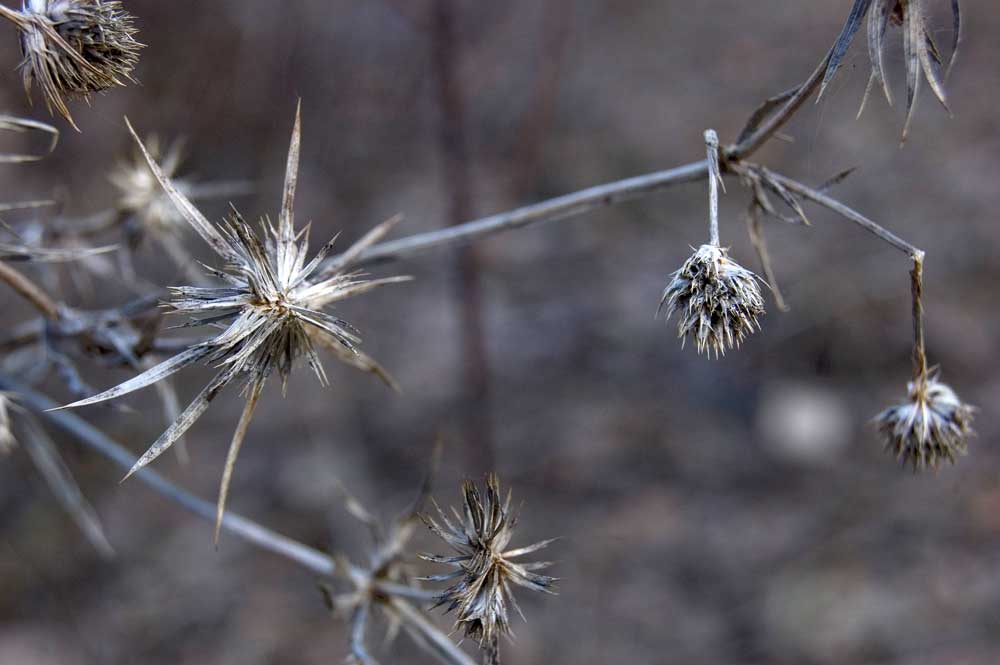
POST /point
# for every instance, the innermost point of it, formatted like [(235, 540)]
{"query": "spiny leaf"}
[(184, 422), (843, 42), (149, 377)]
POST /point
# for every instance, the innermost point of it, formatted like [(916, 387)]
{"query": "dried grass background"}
[(732, 512)]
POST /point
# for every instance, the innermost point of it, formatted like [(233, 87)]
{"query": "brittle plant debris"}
[(73, 48), (718, 300), (933, 425), (484, 568), (920, 53), (270, 308)]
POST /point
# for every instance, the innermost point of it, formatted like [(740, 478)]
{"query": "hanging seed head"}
[(73, 48), (932, 426), (485, 568), (718, 300)]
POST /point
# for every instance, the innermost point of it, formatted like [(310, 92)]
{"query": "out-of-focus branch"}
[(29, 291), (264, 538)]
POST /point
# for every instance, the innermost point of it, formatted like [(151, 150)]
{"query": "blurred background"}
[(738, 511)]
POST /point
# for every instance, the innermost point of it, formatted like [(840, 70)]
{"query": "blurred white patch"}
[(803, 422)]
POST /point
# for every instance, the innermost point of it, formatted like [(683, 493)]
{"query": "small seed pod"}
[(932, 426), (73, 48), (718, 300)]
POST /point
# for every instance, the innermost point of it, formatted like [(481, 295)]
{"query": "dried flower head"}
[(270, 307), (932, 426), (920, 53), (73, 48), (485, 568), (147, 212), (718, 300)]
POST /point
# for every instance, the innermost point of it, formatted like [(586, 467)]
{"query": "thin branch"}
[(90, 436), (919, 349), (847, 212), (442, 646), (762, 134), (562, 207), (30, 291)]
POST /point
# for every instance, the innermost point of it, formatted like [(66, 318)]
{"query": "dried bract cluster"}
[(718, 300), (920, 53), (73, 48), (932, 426), (270, 307), (485, 569)]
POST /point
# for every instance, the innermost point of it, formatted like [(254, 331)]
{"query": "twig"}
[(30, 291), (847, 212), (562, 207), (759, 136), (90, 436), (443, 647), (919, 349)]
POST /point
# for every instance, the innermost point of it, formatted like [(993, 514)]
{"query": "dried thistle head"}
[(920, 53), (147, 212), (270, 306), (484, 568), (140, 194), (933, 425), (718, 300), (73, 48)]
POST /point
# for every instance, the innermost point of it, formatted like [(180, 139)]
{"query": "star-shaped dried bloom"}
[(484, 568), (921, 56), (932, 426), (270, 307), (73, 48), (718, 300)]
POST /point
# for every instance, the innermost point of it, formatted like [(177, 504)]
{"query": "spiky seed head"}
[(270, 306), (485, 568), (933, 425), (140, 193), (718, 301), (73, 48)]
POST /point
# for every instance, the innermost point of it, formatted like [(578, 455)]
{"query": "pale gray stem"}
[(847, 212), (446, 650), (714, 179), (563, 207)]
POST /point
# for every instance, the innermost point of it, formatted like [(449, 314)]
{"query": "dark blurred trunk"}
[(474, 406)]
